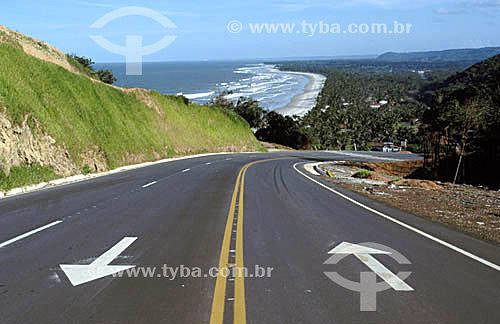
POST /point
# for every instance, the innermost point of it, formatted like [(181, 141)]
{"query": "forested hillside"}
[(463, 119)]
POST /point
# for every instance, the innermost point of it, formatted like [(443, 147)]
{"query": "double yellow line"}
[(219, 300)]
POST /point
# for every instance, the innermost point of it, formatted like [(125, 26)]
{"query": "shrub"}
[(362, 174), (106, 76)]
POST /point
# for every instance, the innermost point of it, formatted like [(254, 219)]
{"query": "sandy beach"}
[(305, 101)]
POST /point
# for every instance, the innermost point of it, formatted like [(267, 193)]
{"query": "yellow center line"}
[(239, 280), (217, 314)]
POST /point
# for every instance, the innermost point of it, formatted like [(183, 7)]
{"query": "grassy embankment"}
[(84, 115)]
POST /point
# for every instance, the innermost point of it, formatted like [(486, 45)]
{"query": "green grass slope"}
[(124, 126)]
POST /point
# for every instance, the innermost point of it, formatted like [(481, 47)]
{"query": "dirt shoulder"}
[(473, 210), (275, 147)]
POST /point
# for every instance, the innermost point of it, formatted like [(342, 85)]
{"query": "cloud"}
[(60, 26), (164, 12), (299, 5), (180, 13), (438, 20), (477, 43), (486, 8), (94, 4), (444, 11), (480, 4), (486, 3)]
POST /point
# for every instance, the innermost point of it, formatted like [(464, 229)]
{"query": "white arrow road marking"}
[(349, 248), (363, 253), (208, 163), (149, 184), (80, 274), (392, 280), (20, 237), (186, 170)]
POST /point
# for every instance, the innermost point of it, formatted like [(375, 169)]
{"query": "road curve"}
[(225, 210)]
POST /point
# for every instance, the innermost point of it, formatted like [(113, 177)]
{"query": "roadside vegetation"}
[(26, 175), (118, 126), (269, 126), (362, 174)]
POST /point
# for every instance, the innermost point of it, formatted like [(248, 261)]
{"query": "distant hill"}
[(454, 55), (480, 80)]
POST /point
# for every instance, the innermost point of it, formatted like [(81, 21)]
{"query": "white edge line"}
[(20, 237), (150, 184), (364, 156), (411, 228), (186, 170)]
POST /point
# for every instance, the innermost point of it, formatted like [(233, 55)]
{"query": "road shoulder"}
[(470, 245)]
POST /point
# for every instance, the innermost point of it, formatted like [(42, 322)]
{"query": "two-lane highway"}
[(227, 211)]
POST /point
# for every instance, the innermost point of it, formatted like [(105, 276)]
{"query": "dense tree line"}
[(269, 126), (354, 110), (371, 66)]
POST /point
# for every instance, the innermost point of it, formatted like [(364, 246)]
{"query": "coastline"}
[(302, 103)]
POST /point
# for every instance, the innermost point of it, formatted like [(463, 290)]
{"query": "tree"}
[(85, 62), (283, 130), (250, 110), (222, 102), (106, 76), (247, 108)]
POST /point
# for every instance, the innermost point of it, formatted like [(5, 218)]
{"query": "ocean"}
[(202, 81)]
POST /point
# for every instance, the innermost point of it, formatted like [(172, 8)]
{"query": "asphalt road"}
[(215, 211)]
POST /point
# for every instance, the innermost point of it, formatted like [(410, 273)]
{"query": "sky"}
[(202, 26)]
